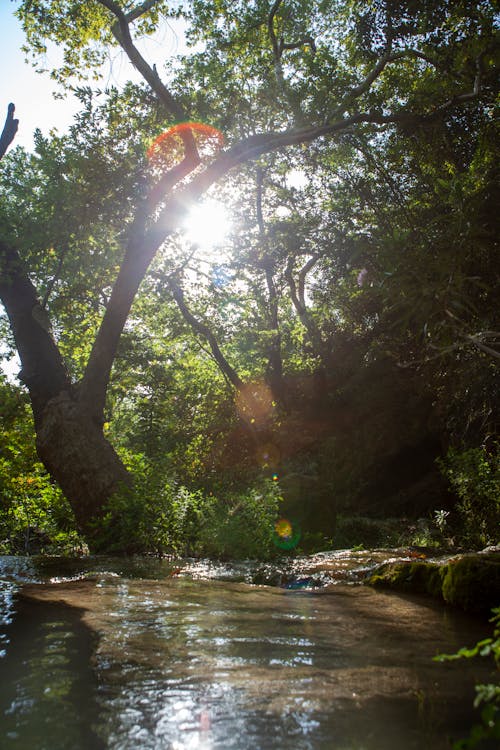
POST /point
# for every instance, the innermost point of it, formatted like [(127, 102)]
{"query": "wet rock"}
[(471, 581)]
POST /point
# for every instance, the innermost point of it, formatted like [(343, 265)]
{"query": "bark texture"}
[(69, 440), (74, 450)]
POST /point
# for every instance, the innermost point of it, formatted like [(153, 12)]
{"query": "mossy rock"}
[(471, 582), (412, 577)]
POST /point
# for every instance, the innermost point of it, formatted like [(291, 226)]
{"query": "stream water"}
[(113, 654)]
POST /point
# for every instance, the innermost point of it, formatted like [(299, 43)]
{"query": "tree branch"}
[(171, 178), (366, 83), (272, 33), (302, 277), (298, 300), (203, 330), (307, 39), (139, 10), (259, 179), (278, 46), (476, 340), (43, 370), (9, 130), (53, 280), (191, 159), (121, 32)]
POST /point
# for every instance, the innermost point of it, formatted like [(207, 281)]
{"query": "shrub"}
[(159, 516), (36, 516), (156, 516), (474, 476), (243, 526)]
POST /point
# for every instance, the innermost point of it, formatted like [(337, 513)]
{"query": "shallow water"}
[(180, 660)]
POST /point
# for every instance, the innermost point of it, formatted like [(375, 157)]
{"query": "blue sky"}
[(30, 91)]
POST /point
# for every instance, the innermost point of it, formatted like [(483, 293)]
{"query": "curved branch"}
[(43, 369), (203, 330), (298, 300), (173, 177), (307, 39), (302, 277), (139, 10), (121, 31)]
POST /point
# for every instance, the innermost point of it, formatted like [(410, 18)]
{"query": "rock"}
[(471, 582)]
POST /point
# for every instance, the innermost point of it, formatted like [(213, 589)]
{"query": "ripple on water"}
[(177, 663)]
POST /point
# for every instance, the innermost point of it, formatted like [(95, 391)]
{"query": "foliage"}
[(487, 695), (162, 517), (243, 525), (34, 515), (474, 476), (356, 290), (156, 517), (367, 532)]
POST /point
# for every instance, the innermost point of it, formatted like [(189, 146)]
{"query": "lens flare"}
[(169, 147), (286, 535), (268, 456), (254, 403), (283, 528)]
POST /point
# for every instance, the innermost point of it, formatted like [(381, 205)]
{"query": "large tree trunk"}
[(69, 439), (75, 452)]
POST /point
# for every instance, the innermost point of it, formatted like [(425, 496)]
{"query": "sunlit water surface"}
[(95, 654)]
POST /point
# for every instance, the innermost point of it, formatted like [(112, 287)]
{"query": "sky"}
[(28, 90), (32, 93)]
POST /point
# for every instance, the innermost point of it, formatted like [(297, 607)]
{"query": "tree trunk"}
[(75, 452), (69, 440)]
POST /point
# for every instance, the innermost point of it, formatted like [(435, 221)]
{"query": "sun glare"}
[(207, 225)]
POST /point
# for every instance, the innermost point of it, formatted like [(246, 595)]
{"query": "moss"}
[(417, 577), (471, 582)]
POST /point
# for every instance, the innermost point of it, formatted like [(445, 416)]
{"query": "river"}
[(184, 655)]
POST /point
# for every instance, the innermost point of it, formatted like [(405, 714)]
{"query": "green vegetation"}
[(163, 519), (314, 363), (34, 515), (487, 695), (474, 476)]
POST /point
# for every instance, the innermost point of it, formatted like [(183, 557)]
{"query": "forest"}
[(254, 289)]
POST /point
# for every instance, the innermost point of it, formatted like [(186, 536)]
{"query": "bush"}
[(156, 516), (34, 514), (161, 517), (242, 527), (474, 476), (355, 531)]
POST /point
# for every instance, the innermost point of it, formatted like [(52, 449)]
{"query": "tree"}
[(270, 76)]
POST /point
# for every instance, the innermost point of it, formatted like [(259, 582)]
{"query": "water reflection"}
[(176, 664), (47, 682)]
